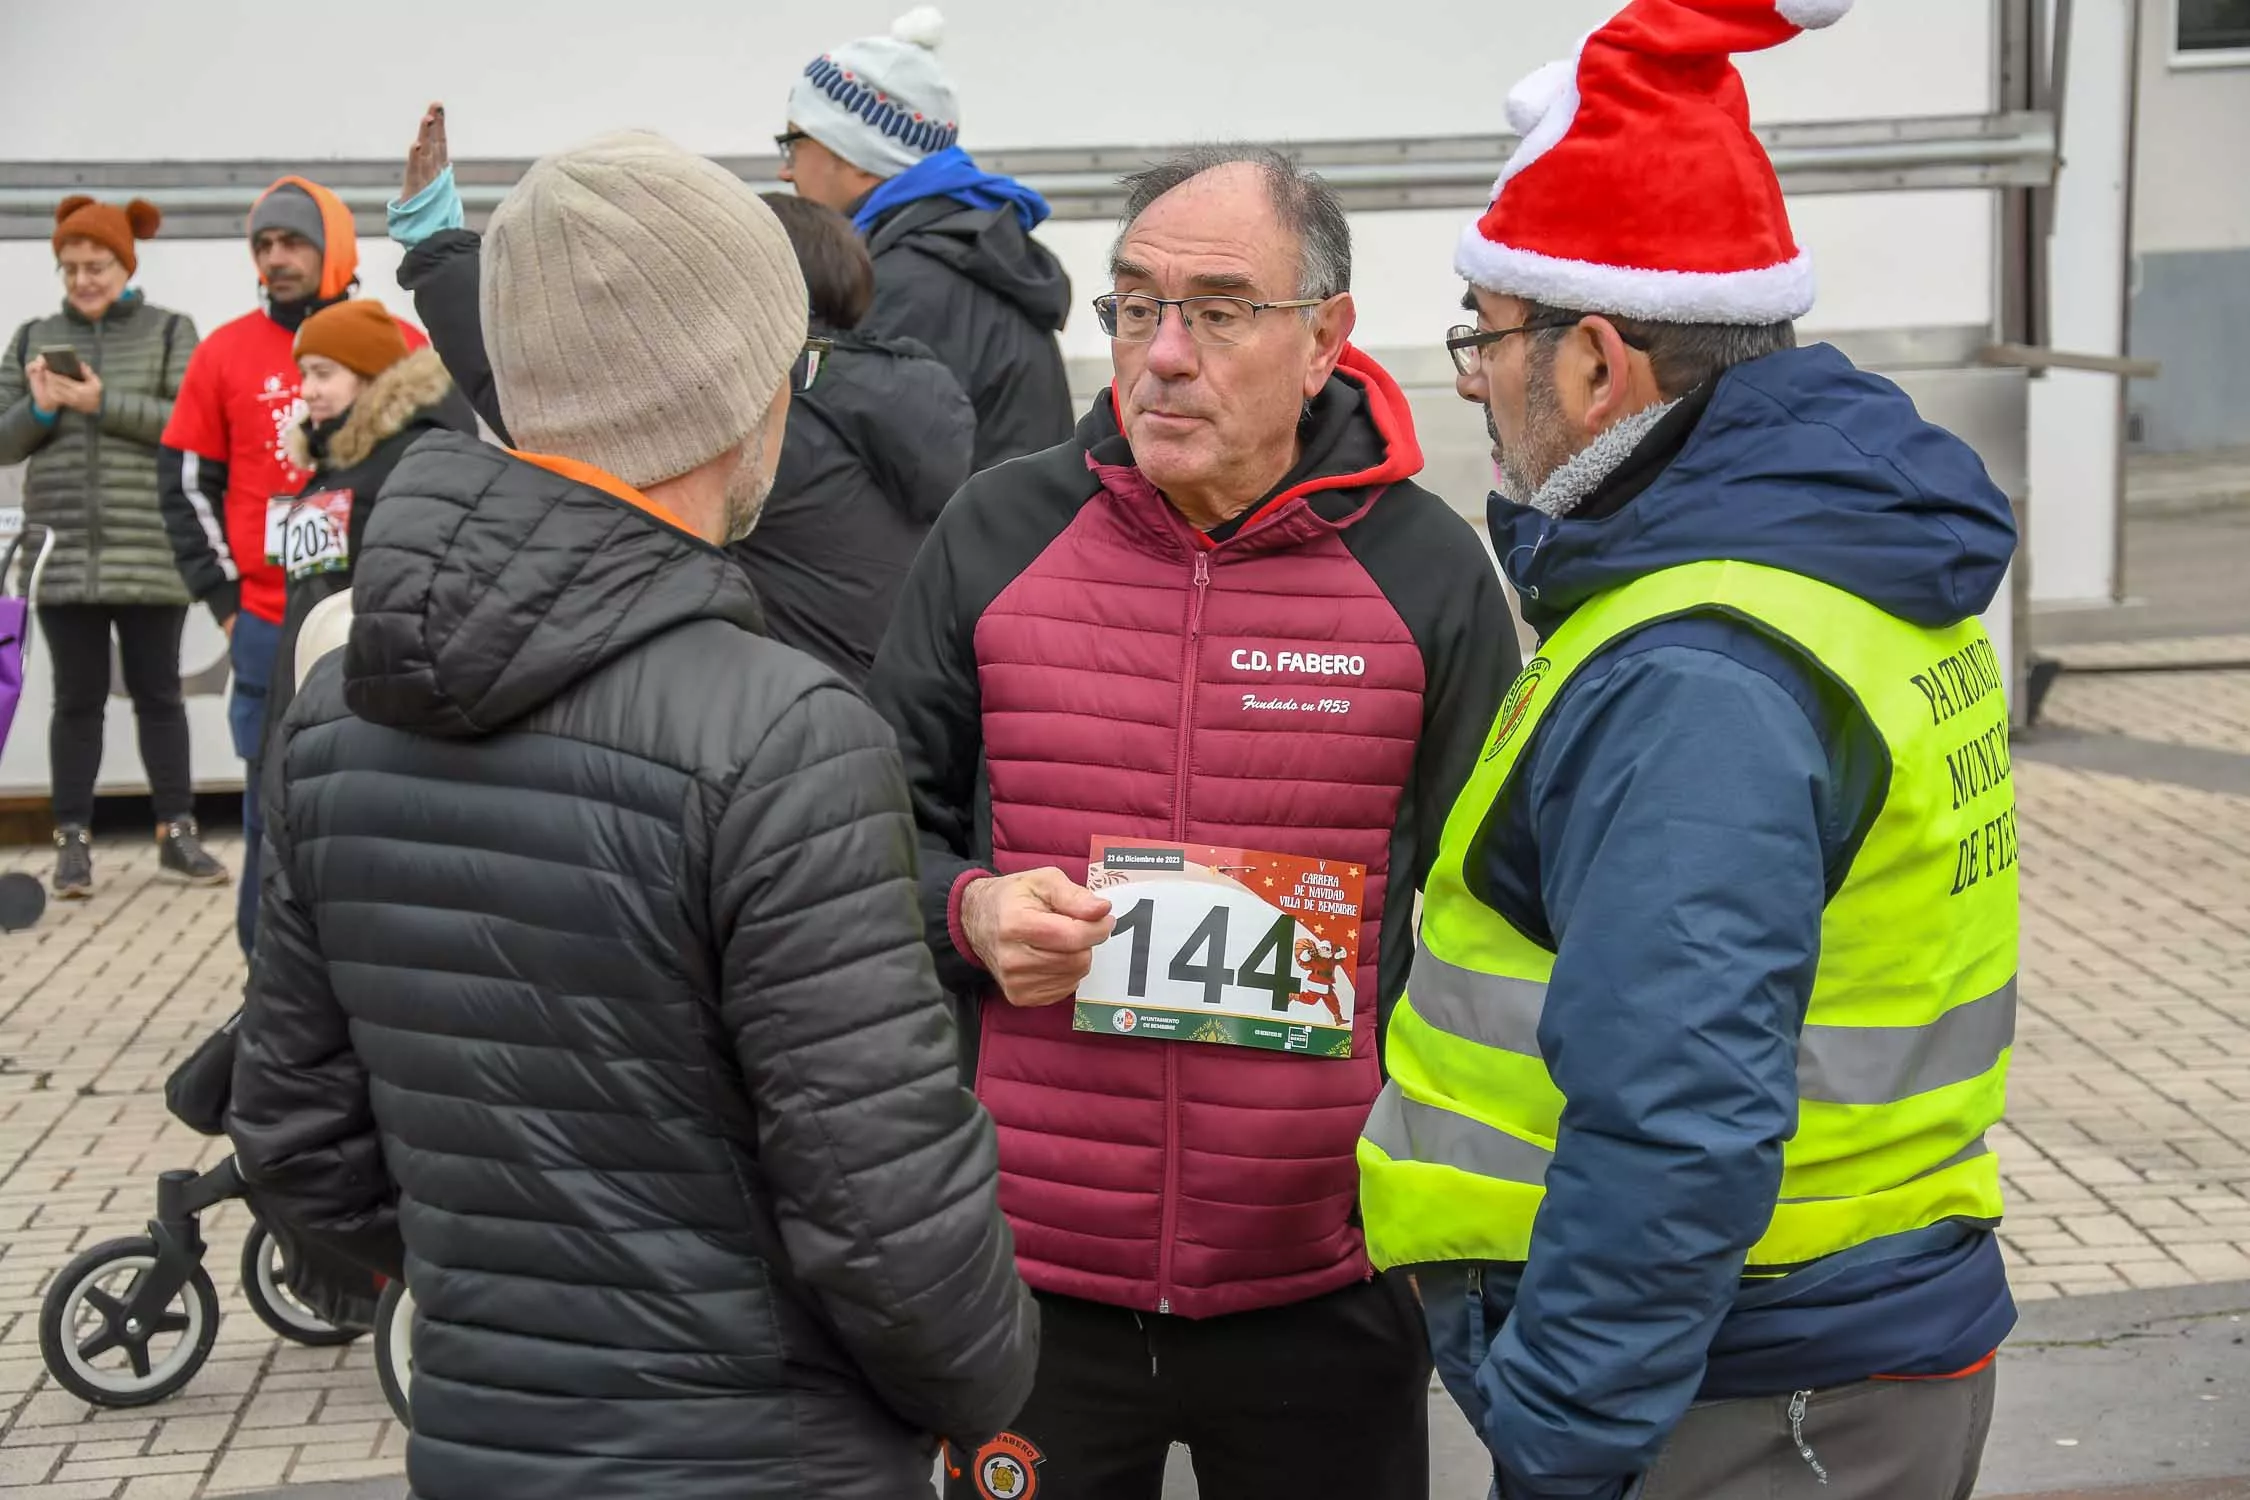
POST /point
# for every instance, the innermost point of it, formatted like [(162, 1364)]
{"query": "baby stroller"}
[(131, 1321), (22, 897)]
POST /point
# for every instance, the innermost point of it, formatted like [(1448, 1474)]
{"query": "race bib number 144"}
[(1231, 946)]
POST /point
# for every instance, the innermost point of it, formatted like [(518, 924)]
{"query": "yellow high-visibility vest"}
[(1903, 1062)]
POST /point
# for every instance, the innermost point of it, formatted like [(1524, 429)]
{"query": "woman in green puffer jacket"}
[(90, 446)]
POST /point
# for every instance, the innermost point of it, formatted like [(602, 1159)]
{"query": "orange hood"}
[(339, 264)]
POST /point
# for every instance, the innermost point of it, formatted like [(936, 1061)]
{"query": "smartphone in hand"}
[(63, 360)]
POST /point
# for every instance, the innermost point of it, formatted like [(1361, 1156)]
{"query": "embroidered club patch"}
[(1007, 1468), (1517, 704)]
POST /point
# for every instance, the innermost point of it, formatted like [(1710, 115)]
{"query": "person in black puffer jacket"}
[(590, 991), (878, 442), (368, 401)]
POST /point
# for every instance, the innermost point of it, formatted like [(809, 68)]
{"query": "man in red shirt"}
[(225, 458)]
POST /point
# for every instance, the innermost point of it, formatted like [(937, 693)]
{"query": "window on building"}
[(2208, 26)]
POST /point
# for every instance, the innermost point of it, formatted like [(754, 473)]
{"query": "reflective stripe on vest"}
[(1902, 1061), (1408, 1130), (1835, 1064)]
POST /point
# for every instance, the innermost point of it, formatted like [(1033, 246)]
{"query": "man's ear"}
[(1604, 377), (1333, 322)]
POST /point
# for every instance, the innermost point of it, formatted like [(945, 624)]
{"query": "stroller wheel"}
[(99, 1352), (267, 1292), (394, 1347)]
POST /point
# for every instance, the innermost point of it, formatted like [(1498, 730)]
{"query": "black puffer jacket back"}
[(589, 968), (874, 450), (977, 288)]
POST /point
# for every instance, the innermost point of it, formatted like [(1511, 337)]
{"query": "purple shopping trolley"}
[(22, 898)]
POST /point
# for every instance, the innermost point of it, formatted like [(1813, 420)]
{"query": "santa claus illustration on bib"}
[(1320, 959)]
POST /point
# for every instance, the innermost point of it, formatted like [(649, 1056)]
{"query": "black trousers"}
[(1322, 1398), (148, 643)]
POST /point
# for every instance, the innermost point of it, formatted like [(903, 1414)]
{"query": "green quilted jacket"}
[(93, 479)]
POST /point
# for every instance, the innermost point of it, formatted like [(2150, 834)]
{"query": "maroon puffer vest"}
[(1180, 1177)]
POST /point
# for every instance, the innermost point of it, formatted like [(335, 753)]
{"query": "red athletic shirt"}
[(236, 404)]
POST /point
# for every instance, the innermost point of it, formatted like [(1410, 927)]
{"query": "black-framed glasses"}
[(786, 144), (1466, 343), (808, 363), (1213, 321)]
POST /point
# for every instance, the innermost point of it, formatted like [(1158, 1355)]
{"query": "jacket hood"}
[(488, 586), (339, 265), (989, 246), (1359, 440), (902, 412), (1802, 462), (385, 409)]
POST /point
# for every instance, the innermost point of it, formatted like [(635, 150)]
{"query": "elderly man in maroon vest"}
[(1180, 700)]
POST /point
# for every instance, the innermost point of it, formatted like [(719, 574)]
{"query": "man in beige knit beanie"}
[(642, 311), (591, 994)]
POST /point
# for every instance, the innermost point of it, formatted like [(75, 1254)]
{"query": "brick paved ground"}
[(2127, 1153), (2127, 1149)]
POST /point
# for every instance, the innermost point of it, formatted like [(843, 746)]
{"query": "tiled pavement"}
[(2127, 1152), (96, 1005)]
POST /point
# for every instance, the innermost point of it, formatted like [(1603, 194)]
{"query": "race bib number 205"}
[(311, 535), (1237, 947)]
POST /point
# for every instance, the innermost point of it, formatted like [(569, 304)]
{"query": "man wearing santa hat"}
[(1685, 1129)]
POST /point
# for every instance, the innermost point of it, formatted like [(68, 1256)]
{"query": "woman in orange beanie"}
[(367, 399), (84, 396)]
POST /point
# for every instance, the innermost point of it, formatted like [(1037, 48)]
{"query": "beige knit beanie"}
[(641, 307)]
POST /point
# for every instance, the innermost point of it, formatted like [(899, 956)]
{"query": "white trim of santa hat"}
[(1638, 188)]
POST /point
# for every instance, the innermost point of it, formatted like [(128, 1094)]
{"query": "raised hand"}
[(428, 156)]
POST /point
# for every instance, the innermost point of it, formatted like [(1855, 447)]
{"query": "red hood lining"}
[(1386, 407)]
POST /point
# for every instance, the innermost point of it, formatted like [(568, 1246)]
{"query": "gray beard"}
[(1577, 477), (747, 490)]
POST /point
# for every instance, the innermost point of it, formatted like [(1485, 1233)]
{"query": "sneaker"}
[(74, 864), (180, 851)]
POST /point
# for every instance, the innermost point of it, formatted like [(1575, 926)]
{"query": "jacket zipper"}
[(93, 480), (1170, 1216)]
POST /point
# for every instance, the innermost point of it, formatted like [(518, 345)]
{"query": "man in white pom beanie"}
[(590, 990), (873, 133), (1685, 1131)]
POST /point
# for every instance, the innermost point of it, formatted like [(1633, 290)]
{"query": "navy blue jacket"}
[(1685, 809)]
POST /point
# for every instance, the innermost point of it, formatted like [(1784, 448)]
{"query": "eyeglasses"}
[(73, 270), (809, 362), (786, 144), (1466, 344), (1215, 322)]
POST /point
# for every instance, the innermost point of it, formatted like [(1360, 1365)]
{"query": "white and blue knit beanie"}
[(881, 103)]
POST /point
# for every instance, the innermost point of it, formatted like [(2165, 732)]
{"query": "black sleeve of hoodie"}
[(191, 494), (301, 1120), (1435, 570), (924, 681), (441, 272), (883, 1170)]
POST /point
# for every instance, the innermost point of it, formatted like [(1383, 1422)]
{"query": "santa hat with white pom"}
[(1638, 188), (881, 103)]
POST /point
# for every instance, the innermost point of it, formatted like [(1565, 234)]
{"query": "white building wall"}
[(2191, 243)]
